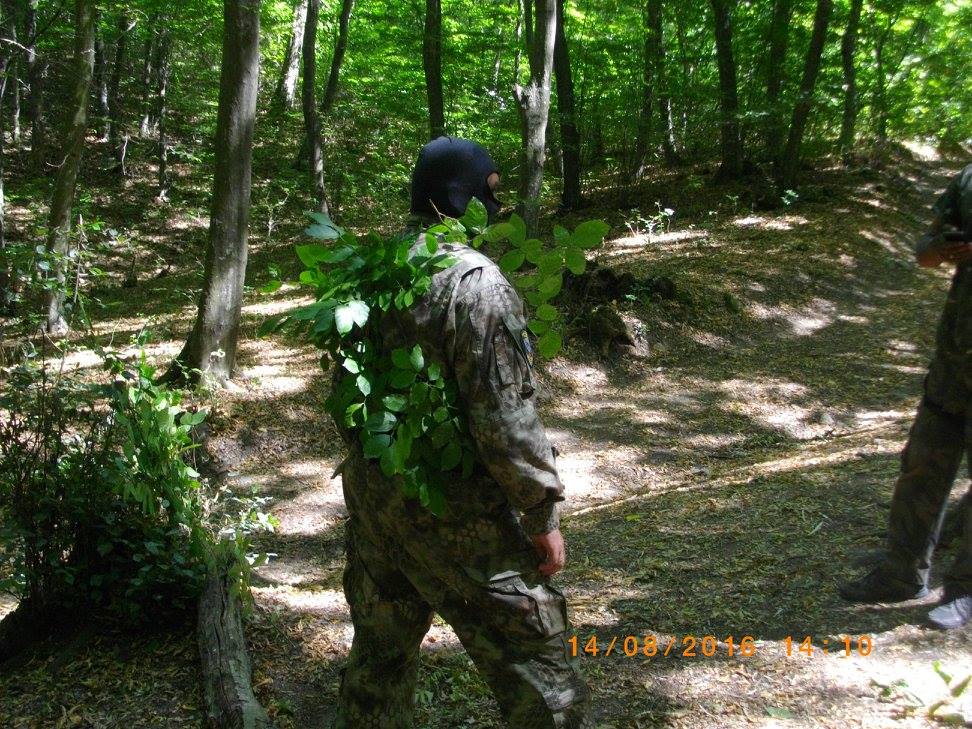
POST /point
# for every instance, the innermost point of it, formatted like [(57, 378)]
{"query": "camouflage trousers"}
[(476, 568), (940, 435)]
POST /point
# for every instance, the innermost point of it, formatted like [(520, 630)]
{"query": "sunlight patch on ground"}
[(7, 605), (325, 603), (279, 305), (785, 222), (803, 321), (921, 150), (895, 246), (272, 377), (88, 358), (314, 509), (643, 240), (290, 570)]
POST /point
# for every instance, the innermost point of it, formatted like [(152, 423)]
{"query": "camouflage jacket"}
[(954, 208), (472, 322)]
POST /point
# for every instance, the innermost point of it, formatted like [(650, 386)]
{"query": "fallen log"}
[(226, 671)]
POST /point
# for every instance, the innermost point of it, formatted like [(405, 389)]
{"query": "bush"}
[(98, 504)]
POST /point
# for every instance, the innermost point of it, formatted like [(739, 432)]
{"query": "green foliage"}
[(399, 405), (98, 504)]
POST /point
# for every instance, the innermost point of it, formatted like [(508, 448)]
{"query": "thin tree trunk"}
[(569, 136), (787, 168), (533, 100), (210, 349), (59, 222), (117, 133), (651, 16), (779, 35), (848, 46), (432, 62), (880, 92), (101, 84), (663, 93), (312, 122), (151, 36), (8, 31), (286, 90), (732, 152), (340, 47), (161, 109), (686, 72), (15, 100), (35, 79)]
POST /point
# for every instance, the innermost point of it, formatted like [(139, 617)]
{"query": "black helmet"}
[(448, 174)]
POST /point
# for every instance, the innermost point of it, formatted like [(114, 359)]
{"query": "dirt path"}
[(718, 488)]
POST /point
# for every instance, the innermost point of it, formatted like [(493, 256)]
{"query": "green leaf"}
[(546, 312), (419, 393), (351, 366), (519, 229), (560, 234), (387, 463), (533, 249), (395, 403), (323, 227), (364, 385), (435, 372), (349, 314), (400, 379), (576, 262), (272, 324), (550, 263), (590, 233), (437, 501), (416, 359), (311, 254), (528, 282), (549, 344), (551, 285), (512, 261), (376, 444), (538, 327), (271, 286), (451, 455), (475, 217), (498, 232), (441, 414), (381, 422), (401, 359)]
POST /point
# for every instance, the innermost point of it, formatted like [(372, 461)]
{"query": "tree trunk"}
[(35, 79), (15, 100), (731, 142), (880, 91), (848, 45), (652, 26), (164, 42), (226, 673), (787, 168), (101, 85), (312, 121), (533, 101), (432, 61), (340, 46), (779, 35), (151, 35), (667, 127), (210, 350), (569, 136), (117, 133), (8, 31), (59, 221), (286, 90)]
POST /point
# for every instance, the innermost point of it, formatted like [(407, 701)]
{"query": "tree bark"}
[(161, 109), (848, 46), (432, 62), (151, 35), (787, 167), (667, 126), (15, 101), (340, 47), (731, 142), (880, 91), (569, 136), (35, 80), (59, 221), (8, 31), (286, 90), (533, 101), (101, 84), (226, 673), (312, 121), (117, 133), (779, 35), (652, 27), (210, 350)]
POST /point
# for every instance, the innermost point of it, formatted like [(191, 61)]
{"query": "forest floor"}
[(721, 486)]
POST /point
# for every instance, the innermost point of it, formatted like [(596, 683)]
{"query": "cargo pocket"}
[(521, 351), (539, 610)]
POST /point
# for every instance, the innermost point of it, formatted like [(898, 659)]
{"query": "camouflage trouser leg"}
[(929, 464), (517, 636), (390, 619)]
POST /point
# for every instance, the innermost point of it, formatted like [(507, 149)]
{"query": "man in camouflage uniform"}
[(483, 565), (941, 432)]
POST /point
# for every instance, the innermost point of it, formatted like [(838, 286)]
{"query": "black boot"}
[(880, 585)]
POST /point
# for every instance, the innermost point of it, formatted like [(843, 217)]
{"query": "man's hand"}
[(953, 253), (550, 547)]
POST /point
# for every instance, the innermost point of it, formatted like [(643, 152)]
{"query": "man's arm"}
[(938, 246), (491, 373)]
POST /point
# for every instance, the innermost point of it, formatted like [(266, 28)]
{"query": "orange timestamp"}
[(649, 646), (847, 645)]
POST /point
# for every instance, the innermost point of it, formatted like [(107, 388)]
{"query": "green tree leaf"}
[(349, 314), (511, 261), (498, 232), (590, 233), (519, 229), (475, 216), (376, 444), (551, 285), (549, 344), (545, 312), (311, 254), (395, 403), (451, 455), (416, 359), (576, 262), (401, 359)]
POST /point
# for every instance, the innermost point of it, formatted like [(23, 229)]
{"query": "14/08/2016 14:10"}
[(845, 645)]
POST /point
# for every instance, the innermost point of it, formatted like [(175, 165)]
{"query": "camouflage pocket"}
[(541, 609)]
